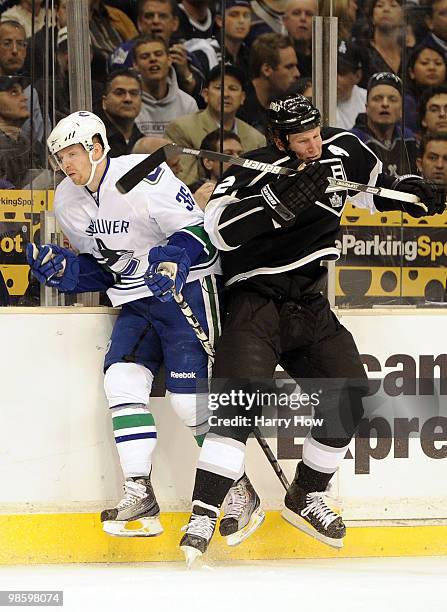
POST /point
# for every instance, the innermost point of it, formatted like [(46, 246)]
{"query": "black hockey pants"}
[(308, 341)]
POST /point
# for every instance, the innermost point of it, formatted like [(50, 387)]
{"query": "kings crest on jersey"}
[(237, 200), (119, 230)]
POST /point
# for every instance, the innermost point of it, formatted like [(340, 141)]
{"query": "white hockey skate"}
[(242, 512), (199, 531), (137, 514)]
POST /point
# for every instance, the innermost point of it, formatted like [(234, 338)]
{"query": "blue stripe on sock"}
[(138, 436)]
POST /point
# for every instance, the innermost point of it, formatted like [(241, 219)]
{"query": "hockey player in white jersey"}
[(120, 242)]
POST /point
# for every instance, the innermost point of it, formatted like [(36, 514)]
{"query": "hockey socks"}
[(135, 436)]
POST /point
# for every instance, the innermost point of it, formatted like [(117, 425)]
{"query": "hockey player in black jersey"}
[(273, 233)]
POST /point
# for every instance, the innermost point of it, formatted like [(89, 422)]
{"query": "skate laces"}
[(316, 506), (237, 502), (201, 525), (133, 491)]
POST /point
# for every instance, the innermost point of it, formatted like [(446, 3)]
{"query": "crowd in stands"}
[(156, 69)]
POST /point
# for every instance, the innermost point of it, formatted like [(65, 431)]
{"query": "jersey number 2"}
[(224, 185)]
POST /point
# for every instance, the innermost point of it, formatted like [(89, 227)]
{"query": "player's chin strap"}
[(170, 269), (94, 165)]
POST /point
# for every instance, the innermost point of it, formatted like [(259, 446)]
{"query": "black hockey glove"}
[(424, 190), (288, 196)]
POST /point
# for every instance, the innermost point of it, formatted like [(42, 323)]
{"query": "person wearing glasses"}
[(13, 45), (433, 110), (121, 104)]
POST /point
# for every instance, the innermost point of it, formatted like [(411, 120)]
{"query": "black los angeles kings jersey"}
[(254, 245)]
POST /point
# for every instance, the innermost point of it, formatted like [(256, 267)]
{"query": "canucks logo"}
[(119, 261)]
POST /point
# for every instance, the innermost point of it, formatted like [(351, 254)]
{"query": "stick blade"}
[(139, 172)]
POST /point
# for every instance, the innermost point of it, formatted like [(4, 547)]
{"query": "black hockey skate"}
[(242, 512), (199, 531), (137, 514), (309, 512)]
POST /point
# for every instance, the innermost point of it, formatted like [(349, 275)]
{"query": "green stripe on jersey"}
[(132, 420), (199, 233)]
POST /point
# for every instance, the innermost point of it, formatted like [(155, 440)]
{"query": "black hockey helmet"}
[(292, 114)]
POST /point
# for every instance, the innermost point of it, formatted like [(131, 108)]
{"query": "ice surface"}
[(340, 585)]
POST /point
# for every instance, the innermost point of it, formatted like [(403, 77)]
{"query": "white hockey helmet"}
[(78, 128)]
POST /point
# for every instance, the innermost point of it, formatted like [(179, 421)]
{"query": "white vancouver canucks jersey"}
[(119, 230)]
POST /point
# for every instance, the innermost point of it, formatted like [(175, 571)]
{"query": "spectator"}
[(59, 103), (383, 53), (109, 27), (121, 104), (302, 86), (190, 130), (37, 44), (231, 146), (237, 28), (160, 18), (436, 21), (267, 17), (380, 127), (347, 18), (196, 20), (150, 144), (351, 99), (203, 188), (23, 14), (432, 159), (273, 70), (298, 22), (433, 110), (427, 67), (16, 158), (163, 101), (13, 46)]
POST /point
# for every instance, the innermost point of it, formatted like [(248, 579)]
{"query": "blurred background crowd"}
[(156, 77), (158, 68)]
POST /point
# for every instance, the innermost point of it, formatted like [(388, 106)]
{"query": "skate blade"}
[(146, 527), (300, 523), (256, 520), (191, 555)]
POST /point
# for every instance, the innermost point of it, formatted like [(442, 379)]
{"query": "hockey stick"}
[(209, 350), (383, 192), (139, 172)]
